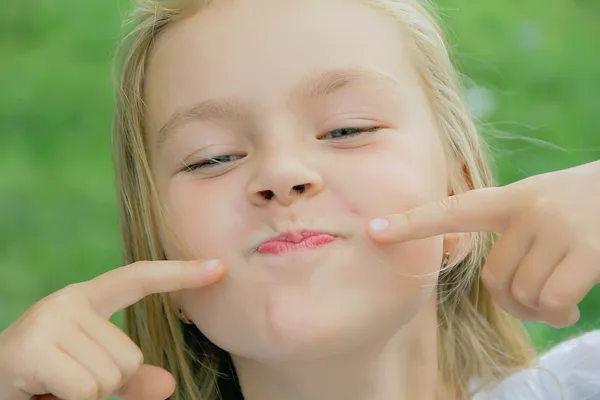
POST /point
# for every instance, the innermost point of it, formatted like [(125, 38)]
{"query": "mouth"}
[(296, 241)]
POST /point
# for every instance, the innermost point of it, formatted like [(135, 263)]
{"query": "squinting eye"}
[(213, 162), (342, 133)]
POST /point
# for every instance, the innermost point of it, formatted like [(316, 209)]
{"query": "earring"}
[(446, 260), (183, 317)]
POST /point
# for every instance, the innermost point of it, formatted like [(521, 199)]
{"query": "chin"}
[(348, 303), (302, 324)]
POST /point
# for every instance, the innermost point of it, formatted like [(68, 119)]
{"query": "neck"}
[(399, 367)]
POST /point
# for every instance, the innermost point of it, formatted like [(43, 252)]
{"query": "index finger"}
[(477, 210), (124, 286)]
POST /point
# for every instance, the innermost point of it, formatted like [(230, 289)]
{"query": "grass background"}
[(532, 68)]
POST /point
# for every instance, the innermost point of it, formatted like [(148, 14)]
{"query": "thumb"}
[(150, 383)]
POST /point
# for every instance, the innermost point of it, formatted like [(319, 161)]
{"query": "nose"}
[(284, 182)]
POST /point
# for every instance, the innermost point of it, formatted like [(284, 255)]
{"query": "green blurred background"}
[(532, 68)]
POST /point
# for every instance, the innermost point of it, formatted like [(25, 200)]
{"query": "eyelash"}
[(214, 161), (210, 162), (356, 131)]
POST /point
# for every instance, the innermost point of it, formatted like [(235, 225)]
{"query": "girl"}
[(267, 134)]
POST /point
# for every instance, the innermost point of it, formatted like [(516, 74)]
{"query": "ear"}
[(173, 301), (459, 245)]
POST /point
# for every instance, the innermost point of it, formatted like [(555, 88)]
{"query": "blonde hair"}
[(477, 340)]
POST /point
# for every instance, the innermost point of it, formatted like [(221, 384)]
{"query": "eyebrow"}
[(317, 84), (203, 111)]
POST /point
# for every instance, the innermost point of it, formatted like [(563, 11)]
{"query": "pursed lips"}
[(294, 241)]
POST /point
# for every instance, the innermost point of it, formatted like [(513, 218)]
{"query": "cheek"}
[(200, 218), (398, 173)]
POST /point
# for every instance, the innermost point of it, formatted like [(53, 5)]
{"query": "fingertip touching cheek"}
[(295, 139)]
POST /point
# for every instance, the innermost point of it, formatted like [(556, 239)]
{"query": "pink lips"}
[(295, 241)]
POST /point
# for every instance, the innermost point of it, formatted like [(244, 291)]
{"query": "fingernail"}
[(379, 224), (211, 265)]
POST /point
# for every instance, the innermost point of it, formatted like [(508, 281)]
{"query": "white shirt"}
[(568, 371)]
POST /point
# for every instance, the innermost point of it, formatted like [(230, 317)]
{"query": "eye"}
[(342, 133), (213, 162)]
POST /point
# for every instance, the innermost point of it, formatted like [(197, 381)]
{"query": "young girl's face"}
[(317, 120)]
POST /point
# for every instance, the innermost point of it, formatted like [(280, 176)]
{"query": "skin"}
[(547, 258), (65, 347), (544, 263), (335, 322)]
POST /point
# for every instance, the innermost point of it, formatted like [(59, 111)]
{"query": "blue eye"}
[(213, 161), (342, 133)]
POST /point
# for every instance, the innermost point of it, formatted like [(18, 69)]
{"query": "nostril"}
[(299, 188), (267, 194)]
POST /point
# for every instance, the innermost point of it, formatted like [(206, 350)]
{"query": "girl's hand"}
[(548, 256), (65, 346)]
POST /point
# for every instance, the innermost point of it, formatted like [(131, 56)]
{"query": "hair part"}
[(477, 341)]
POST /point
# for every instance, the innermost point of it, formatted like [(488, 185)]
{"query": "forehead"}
[(259, 50)]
